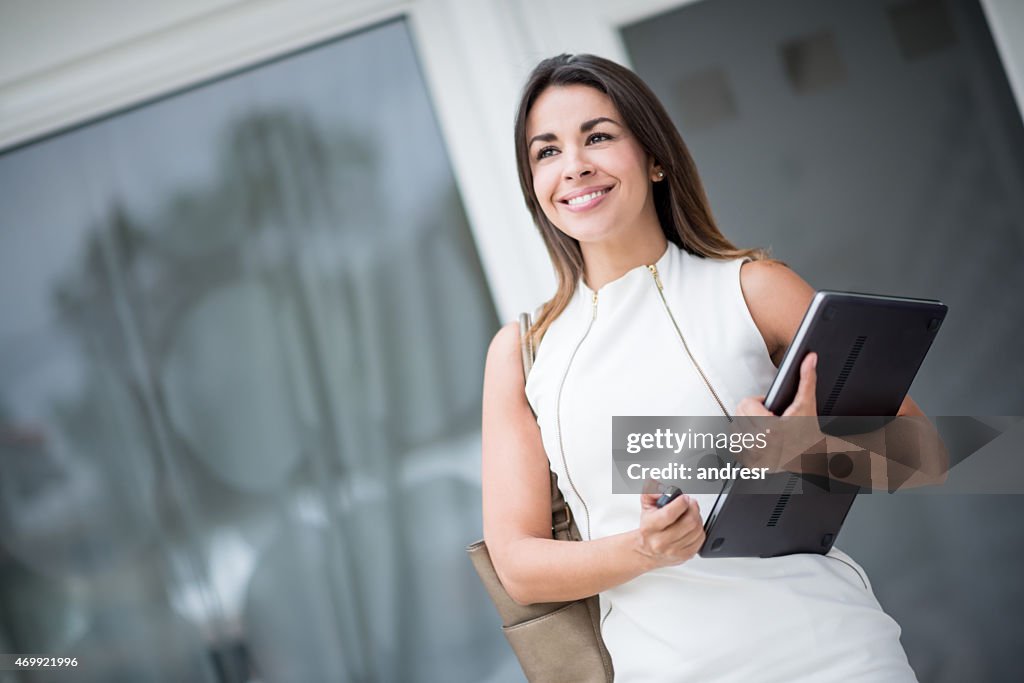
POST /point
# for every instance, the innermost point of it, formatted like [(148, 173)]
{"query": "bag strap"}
[(526, 347), (563, 527)]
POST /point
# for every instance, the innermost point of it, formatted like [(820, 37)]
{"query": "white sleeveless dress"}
[(796, 618)]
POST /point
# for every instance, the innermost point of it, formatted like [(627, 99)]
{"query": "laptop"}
[(869, 348)]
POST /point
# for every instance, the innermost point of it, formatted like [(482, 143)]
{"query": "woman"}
[(623, 214)]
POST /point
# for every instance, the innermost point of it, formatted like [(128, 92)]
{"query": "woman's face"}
[(590, 175)]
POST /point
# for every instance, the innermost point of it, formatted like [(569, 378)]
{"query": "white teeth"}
[(582, 199)]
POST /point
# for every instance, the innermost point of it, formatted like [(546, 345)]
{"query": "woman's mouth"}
[(586, 201)]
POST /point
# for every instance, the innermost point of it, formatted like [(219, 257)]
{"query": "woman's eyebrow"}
[(587, 125), (584, 127)]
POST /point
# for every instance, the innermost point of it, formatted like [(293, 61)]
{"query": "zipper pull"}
[(657, 279)]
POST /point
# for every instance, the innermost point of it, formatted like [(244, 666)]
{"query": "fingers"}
[(649, 501), (673, 534), (687, 520), (655, 519), (684, 538), (806, 402), (692, 541), (752, 406), (687, 523)]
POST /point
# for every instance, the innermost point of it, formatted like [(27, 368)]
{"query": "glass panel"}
[(240, 367), (875, 146)]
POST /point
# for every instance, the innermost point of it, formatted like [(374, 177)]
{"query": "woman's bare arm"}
[(532, 566)]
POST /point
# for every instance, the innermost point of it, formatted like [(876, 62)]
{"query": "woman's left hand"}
[(804, 403), (788, 438)]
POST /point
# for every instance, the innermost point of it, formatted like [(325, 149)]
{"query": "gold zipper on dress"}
[(558, 416), (558, 401), (661, 291)]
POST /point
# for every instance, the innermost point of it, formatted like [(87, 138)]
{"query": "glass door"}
[(242, 331)]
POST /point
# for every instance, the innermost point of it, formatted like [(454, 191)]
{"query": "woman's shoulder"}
[(503, 362), (505, 339), (777, 298), (766, 277)]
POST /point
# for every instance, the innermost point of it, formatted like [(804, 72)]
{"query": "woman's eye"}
[(543, 154), (593, 138)]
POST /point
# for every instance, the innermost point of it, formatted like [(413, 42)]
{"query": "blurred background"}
[(252, 254)]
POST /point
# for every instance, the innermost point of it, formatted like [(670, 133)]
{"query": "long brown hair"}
[(680, 200)]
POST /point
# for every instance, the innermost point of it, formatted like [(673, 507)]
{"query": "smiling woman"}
[(579, 165), (656, 313), (585, 128)]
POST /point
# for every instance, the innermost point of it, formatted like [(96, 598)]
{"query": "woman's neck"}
[(605, 262)]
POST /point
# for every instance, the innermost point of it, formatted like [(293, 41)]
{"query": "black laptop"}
[(869, 348)]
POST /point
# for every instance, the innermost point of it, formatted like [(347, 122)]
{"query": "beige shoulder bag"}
[(556, 642)]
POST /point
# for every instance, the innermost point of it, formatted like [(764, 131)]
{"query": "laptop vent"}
[(844, 374), (780, 504)]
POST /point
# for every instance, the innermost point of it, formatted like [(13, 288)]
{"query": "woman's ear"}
[(654, 170)]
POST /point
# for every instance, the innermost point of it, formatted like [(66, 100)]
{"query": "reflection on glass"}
[(241, 333)]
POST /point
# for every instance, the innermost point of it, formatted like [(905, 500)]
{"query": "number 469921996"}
[(34, 662)]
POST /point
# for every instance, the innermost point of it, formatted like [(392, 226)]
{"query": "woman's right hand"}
[(670, 535)]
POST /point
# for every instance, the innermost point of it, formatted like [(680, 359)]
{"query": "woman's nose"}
[(578, 171), (577, 166)]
